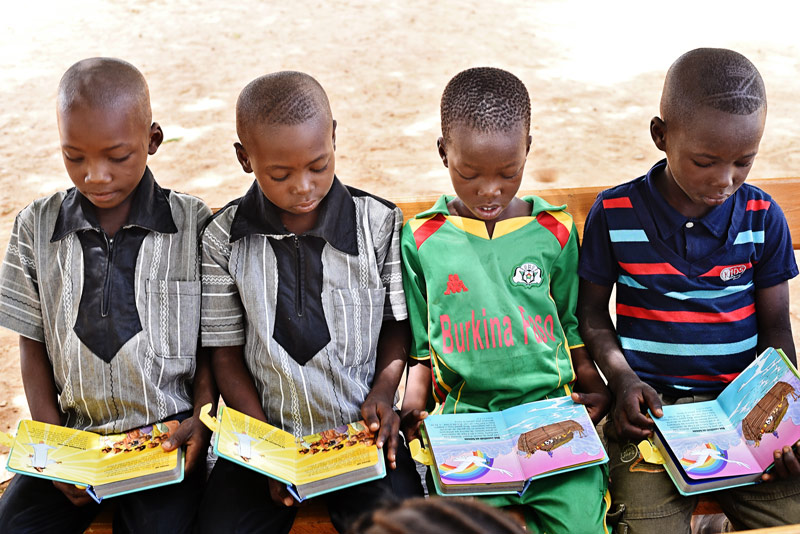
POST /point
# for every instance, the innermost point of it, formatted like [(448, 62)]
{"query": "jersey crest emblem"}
[(454, 285), (732, 273), (528, 275)]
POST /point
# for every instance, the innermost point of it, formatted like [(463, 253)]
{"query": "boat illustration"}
[(549, 437), (768, 413)]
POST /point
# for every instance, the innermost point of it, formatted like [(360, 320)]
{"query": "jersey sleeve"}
[(777, 262), (20, 307), (416, 296), (222, 320), (564, 287), (387, 255), (597, 262)]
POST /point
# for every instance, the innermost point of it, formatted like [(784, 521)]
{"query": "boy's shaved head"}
[(103, 82), (284, 98), (714, 77), (485, 99)]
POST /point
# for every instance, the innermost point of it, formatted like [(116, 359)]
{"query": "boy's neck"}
[(299, 224), (676, 198), (112, 219)]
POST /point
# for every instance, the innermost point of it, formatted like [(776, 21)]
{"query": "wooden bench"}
[(313, 516)]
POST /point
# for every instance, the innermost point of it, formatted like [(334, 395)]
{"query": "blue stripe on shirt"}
[(685, 349), (627, 236), (749, 236)]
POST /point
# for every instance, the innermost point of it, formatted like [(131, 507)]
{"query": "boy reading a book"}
[(303, 305), (491, 284), (701, 262), (102, 282)]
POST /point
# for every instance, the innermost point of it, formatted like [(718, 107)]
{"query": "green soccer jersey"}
[(493, 317)]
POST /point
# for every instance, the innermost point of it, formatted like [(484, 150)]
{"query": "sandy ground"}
[(594, 71)]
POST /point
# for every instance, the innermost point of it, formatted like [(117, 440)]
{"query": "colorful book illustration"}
[(501, 452), (108, 465), (309, 466), (729, 441)]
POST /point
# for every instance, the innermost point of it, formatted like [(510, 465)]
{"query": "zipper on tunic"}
[(107, 282), (298, 258)]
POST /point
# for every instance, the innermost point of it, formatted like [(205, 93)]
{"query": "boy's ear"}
[(156, 138), (658, 131), (442, 150), (528, 145), (244, 159), (334, 135)]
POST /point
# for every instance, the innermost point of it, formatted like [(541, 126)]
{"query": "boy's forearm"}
[(599, 334), (587, 377), (205, 389), (774, 323), (393, 344), (418, 388), (235, 382), (38, 381)]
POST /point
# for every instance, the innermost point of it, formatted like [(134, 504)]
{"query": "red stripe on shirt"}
[(555, 226), (650, 268), (622, 202), (757, 205), (727, 379), (685, 316), (428, 228), (719, 268)]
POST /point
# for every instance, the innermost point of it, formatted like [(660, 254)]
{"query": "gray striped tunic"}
[(359, 291), (149, 378)]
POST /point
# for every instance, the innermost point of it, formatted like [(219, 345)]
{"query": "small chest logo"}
[(528, 275), (732, 273), (454, 285)]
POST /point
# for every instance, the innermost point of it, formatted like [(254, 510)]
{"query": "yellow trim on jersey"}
[(470, 226), (564, 218), (508, 226), (414, 224), (458, 397)]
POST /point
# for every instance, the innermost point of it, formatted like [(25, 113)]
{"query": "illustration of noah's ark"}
[(768, 413), (549, 437)]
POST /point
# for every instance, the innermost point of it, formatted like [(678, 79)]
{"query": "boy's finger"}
[(178, 437), (369, 411), (791, 462), (653, 401)]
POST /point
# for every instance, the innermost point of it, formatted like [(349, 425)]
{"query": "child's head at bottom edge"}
[(437, 515), (105, 130), (287, 138), (486, 118), (713, 109)]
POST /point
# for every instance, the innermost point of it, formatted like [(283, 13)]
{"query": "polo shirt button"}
[(689, 224)]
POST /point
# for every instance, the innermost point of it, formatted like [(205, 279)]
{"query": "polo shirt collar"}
[(336, 223), (668, 220), (150, 209)]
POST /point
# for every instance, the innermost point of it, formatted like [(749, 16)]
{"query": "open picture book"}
[(108, 465), (309, 466), (729, 441), (502, 452)]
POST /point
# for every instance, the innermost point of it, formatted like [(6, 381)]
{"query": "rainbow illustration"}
[(705, 460), (466, 467)]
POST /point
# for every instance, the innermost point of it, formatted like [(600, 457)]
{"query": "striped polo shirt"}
[(686, 317), (307, 308), (119, 317)]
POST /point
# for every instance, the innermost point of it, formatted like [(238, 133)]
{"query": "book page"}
[(472, 448), (551, 435), (336, 451), (135, 453), (258, 445), (53, 451)]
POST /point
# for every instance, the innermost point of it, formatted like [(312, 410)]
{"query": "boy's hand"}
[(633, 398), (279, 494), (787, 464), (76, 495), (597, 403), (381, 419), (410, 424), (196, 436)]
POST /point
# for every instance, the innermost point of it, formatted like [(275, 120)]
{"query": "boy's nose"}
[(304, 185), (97, 174), (724, 179)]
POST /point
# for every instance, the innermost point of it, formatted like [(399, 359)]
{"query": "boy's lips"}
[(100, 196), (308, 205)]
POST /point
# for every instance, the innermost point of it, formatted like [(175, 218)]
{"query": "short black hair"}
[(486, 99), (712, 77), (104, 82), (283, 98), (436, 515)]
